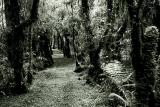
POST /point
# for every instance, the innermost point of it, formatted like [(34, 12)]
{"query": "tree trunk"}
[(142, 58), (109, 12), (15, 39), (54, 41), (157, 23), (45, 47), (30, 73), (59, 42), (150, 41), (2, 14), (66, 47), (73, 37), (15, 43), (92, 51)]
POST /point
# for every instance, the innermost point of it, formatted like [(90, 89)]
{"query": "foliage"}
[(109, 24), (6, 72)]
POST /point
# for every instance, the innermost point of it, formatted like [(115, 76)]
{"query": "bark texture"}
[(156, 22), (147, 78), (15, 39), (143, 57), (92, 50)]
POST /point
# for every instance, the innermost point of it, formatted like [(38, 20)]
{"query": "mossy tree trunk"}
[(109, 10), (66, 46), (92, 50), (45, 48), (15, 39), (59, 42), (54, 42), (149, 49), (156, 22), (143, 57)]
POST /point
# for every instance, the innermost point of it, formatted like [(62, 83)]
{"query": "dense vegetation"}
[(95, 33)]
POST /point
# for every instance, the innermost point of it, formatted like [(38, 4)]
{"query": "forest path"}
[(56, 87)]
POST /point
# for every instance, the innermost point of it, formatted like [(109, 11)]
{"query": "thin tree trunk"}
[(58, 42), (61, 42), (54, 41), (157, 23), (66, 46), (2, 14), (30, 74), (58, 39), (73, 35), (109, 8)]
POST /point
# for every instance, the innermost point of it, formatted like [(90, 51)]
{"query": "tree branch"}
[(33, 15)]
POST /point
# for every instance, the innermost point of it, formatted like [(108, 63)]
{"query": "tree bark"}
[(157, 23), (54, 41), (30, 73), (92, 50), (58, 39), (109, 12), (73, 37), (33, 15), (15, 39), (66, 46), (58, 42), (2, 14), (45, 47), (142, 58)]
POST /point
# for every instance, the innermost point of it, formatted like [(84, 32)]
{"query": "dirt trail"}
[(56, 87)]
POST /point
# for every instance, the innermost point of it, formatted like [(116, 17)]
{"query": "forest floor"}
[(57, 86)]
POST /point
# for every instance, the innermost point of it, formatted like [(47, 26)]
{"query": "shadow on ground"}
[(62, 62)]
